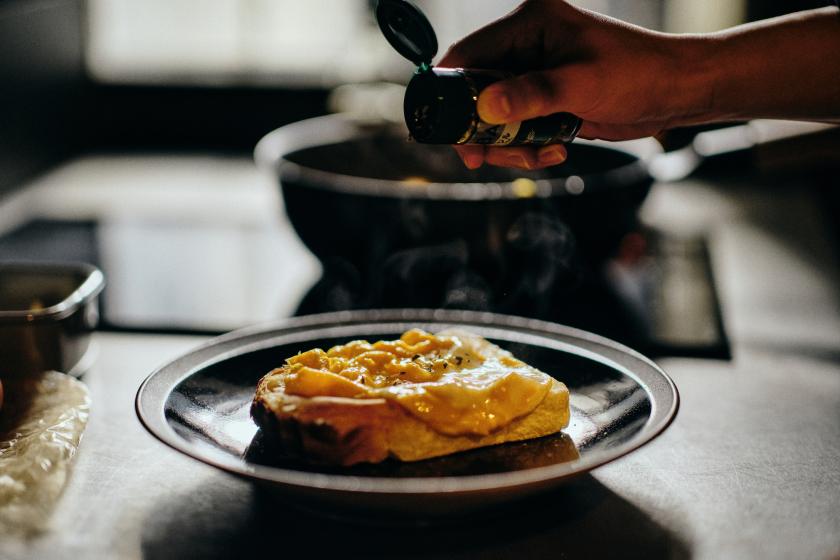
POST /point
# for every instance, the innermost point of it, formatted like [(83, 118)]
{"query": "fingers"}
[(472, 155), (552, 155), (526, 157), (517, 157), (535, 94), (520, 157)]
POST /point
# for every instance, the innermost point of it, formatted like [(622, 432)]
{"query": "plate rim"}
[(150, 407)]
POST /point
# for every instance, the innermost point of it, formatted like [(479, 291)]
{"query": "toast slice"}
[(323, 419)]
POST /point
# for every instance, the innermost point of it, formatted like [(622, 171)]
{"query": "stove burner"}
[(656, 295), (526, 273)]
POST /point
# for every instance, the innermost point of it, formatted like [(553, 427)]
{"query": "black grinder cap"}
[(439, 105), (408, 31)]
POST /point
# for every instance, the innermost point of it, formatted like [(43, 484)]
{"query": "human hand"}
[(624, 81)]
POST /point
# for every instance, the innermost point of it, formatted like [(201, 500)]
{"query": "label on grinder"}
[(560, 127), (495, 134)]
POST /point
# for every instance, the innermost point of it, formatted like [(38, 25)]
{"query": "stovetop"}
[(656, 295)]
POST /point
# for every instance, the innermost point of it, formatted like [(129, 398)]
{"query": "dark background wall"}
[(763, 9), (42, 86), (50, 110)]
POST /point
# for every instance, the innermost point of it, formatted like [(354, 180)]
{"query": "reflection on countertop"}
[(195, 242)]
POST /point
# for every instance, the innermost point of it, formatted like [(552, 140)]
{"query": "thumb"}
[(536, 94)]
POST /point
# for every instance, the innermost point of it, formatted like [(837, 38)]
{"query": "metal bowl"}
[(199, 405), (47, 314)]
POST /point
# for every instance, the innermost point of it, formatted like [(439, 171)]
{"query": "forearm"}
[(787, 68)]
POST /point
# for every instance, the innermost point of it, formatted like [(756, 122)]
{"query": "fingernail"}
[(552, 156), (473, 161), (494, 106), (517, 160)]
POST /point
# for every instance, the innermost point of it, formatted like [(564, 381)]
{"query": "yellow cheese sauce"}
[(441, 380)]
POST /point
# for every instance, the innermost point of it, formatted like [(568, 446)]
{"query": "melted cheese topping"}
[(441, 380)]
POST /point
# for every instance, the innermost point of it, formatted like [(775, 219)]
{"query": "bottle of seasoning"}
[(440, 103)]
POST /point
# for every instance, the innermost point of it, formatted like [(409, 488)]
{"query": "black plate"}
[(199, 405)]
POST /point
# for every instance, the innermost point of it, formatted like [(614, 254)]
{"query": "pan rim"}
[(271, 151)]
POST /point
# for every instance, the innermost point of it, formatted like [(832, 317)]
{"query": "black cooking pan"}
[(400, 224), (360, 193), (344, 181)]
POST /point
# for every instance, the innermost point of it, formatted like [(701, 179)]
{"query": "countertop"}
[(749, 469)]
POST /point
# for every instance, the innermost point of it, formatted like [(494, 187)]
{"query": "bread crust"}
[(346, 431)]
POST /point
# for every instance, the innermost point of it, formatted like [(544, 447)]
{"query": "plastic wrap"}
[(40, 430)]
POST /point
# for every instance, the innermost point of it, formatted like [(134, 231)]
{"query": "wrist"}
[(693, 80)]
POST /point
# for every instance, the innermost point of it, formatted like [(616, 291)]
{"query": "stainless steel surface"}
[(755, 136), (199, 404), (749, 469), (47, 314)]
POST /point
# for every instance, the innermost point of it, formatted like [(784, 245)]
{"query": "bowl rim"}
[(152, 395), (87, 289)]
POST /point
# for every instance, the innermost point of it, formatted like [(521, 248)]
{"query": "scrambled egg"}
[(440, 379)]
